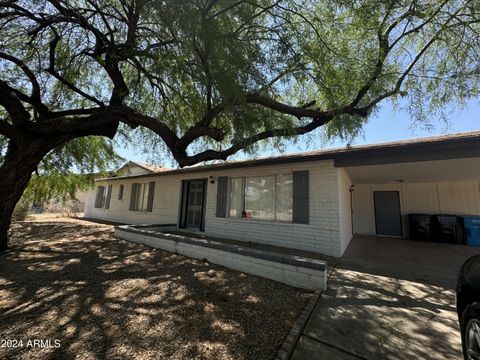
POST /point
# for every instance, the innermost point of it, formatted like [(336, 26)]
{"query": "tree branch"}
[(12, 104), (210, 154), (398, 85), (297, 111), (51, 70), (8, 130), (384, 47), (29, 73), (202, 127)]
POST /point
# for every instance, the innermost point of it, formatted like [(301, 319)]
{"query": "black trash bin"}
[(447, 229), (420, 227)]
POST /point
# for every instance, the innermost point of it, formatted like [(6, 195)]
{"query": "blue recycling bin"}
[(472, 230)]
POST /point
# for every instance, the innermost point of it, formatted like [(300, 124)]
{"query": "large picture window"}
[(262, 197)]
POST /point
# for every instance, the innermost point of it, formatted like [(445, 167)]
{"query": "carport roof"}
[(455, 146)]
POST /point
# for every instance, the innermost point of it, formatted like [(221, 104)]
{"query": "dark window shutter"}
[(133, 197), (97, 197), (301, 194), (183, 208), (222, 188), (109, 196), (151, 192), (120, 192)]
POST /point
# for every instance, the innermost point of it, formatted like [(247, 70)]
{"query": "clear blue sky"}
[(387, 125)]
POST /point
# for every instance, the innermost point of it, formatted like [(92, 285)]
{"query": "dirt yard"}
[(97, 297)]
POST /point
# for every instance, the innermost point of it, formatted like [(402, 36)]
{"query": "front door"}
[(388, 220), (194, 211)]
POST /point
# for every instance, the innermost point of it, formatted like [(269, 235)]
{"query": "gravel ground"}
[(104, 298)]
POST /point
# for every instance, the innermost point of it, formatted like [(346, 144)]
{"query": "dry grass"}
[(105, 298)]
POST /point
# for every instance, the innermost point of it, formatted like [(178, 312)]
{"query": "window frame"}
[(242, 197), (100, 200), (141, 197), (276, 193), (244, 183), (274, 197), (121, 190), (140, 204)]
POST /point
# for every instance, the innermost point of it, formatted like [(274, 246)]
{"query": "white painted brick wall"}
[(305, 278), (322, 235)]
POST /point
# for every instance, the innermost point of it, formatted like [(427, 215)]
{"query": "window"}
[(120, 192), (102, 199), (101, 196), (259, 198), (284, 197), (141, 197), (262, 197), (236, 197)]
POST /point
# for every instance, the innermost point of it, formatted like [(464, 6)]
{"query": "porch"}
[(297, 268)]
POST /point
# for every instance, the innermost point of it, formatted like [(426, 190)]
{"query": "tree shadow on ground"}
[(108, 298), (381, 317)]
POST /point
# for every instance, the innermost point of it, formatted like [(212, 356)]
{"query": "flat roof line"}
[(423, 149)]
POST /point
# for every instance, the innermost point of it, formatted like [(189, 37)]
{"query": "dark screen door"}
[(195, 204), (388, 220)]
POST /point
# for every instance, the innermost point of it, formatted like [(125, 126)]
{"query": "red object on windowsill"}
[(246, 215)]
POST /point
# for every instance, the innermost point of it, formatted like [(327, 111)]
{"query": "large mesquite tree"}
[(212, 77)]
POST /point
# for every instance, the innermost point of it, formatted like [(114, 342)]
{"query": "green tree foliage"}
[(61, 187), (224, 74), (68, 169)]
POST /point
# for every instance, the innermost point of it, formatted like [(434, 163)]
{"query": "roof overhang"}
[(465, 169), (458, 146), (455, 148)]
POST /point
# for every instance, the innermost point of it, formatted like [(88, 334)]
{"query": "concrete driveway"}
[(388, 299)]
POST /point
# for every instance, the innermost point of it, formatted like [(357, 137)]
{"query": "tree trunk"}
[(21, 160)]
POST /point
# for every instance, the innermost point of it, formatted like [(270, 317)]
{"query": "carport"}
[(419, 261), (388, 299), (441, 176)]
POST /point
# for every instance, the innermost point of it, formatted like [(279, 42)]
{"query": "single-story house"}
[(77, 205), (314, 201)]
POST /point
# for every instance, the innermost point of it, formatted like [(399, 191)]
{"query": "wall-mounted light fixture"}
[(211, 180)]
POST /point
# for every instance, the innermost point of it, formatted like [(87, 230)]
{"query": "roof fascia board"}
[(466, 148)]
